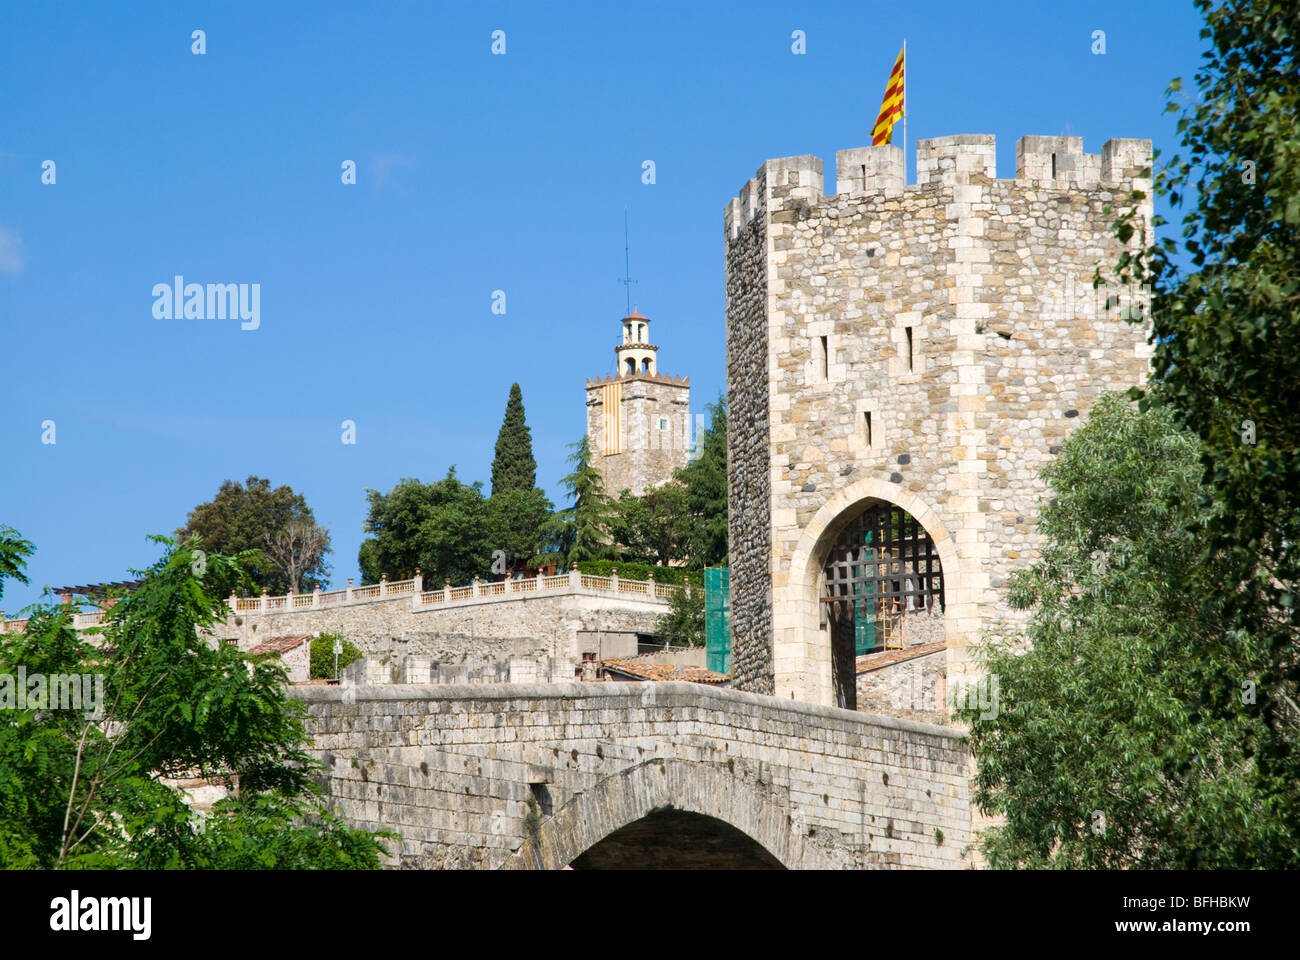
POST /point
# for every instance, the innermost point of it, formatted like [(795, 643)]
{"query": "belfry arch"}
[(887, 554)]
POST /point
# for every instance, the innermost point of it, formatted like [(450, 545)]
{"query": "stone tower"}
[(901, 363), (638, 420)]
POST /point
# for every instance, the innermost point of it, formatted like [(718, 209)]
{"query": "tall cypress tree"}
[(513, 467)]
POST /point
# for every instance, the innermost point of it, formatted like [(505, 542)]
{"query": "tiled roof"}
[(663, 671), (874, 661), (280, 644)]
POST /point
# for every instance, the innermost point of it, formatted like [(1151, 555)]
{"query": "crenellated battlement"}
[(676, 381), (1059, 163)]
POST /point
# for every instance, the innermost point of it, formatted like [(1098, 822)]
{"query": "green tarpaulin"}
[(717, 618)]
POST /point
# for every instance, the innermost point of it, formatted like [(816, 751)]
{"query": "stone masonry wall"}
[(959, 315), (485, 631), (457, 770), (913, 689), (748, 440)]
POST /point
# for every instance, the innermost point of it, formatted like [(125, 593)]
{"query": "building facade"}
[(902, 361)]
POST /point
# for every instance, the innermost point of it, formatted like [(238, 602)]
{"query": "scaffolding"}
[(717, 618), (890, 614)]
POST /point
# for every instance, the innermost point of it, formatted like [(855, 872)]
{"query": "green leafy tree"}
[(322, 655), (1108, 744), (1226, 326), (705, 480), (442, 528), (652, 528), (14, 551), (275, 523), (513, 467), (87, 791), (684, 621), (516, 523), (582, 531)]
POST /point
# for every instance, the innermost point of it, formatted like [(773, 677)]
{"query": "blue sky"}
[(475, 173)]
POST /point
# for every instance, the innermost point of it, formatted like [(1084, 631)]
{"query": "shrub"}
[(642, 571), (322, 656)]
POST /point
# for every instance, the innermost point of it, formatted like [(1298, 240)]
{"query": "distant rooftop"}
[(636, 670), (279, 644)]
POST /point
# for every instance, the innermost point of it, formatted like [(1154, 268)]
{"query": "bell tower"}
[(636, 354), (638, 420)]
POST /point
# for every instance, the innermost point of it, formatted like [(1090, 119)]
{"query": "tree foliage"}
[(516, 525), (441, 528), (79, 791), (684, 622), (1126, 736), (652, 528), (1226, 325), (14, 551), (513, 466), (251, 517), (322, 655), (581, 531), (517, 512), (705, 482)]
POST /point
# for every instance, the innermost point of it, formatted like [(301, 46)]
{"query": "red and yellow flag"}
[(891, 108)]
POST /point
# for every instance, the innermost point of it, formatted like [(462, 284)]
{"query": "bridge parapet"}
[(538, 775)]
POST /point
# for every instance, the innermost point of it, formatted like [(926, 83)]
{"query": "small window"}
[(663, 424), (866, 426), (1053, 166), (908, 331)]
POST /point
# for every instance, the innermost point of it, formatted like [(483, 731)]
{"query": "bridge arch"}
[(673, 793), (802, 645)]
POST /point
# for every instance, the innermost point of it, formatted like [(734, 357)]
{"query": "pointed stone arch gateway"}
[(802, 647), (759, 815)]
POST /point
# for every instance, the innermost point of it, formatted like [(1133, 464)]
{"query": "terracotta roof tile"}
[(664, 671), (280, 644)]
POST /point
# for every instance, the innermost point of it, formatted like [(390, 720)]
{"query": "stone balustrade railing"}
[(478, 590), (79, 620), (420, 598)]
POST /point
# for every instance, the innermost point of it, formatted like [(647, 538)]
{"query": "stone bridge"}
[(609, 775)]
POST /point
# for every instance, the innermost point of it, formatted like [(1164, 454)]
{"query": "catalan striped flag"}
[(613, 403), (891, 108)]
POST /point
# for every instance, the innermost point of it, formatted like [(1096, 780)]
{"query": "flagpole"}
[(905, 72)]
